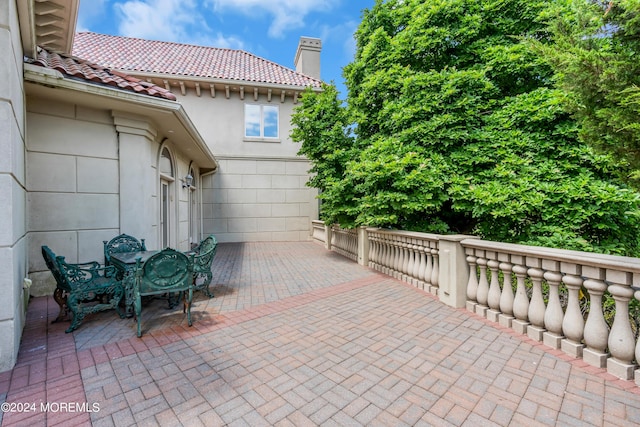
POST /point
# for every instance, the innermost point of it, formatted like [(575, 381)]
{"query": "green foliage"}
[(459, 129), (595, 56)]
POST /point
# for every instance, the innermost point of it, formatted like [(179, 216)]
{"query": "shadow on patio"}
[(297, 335)]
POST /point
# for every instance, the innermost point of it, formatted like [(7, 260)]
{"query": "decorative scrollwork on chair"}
[(63, 288), (122, 243), (204, 254), (88, 289)]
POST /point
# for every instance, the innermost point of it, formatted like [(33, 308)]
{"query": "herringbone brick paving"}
[(300, 336)]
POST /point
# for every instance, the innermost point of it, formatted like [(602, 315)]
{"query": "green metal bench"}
[(167, 271), (122, 243), (204, 254), (87, 287)]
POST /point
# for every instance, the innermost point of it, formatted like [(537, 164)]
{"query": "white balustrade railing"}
[(546, 305), (410, 257), (562, 298), (318, 232), (345, 242)]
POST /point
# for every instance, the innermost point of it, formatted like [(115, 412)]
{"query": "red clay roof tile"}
[(85, 70), (149, 56)]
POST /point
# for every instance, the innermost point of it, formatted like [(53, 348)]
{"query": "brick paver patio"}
[(298, 336)]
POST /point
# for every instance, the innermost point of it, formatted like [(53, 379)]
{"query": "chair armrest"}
[(79, 277)]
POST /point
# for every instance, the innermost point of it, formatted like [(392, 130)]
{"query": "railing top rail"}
[(622, 263), (420, 235)]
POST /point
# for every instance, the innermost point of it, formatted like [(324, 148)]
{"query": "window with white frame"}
[(261, 121)]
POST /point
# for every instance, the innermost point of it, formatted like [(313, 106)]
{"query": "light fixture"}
[(187, 181)]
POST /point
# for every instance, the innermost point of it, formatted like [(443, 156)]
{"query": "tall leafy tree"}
[(595, 56), (459, 129)]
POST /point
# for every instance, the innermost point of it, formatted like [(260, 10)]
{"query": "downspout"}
[(211, 172)]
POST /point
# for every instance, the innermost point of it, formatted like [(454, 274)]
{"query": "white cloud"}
[(341, 34), (287, 14), (90, 12), (169, 20)]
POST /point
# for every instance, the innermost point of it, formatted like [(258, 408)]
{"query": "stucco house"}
[(102, 135)]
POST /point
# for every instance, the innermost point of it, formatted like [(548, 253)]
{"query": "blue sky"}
[(267, 28)]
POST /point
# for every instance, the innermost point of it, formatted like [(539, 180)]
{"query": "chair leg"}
[(190, 294), (76, 310), (137, 305), (61, 299), (117, 299)]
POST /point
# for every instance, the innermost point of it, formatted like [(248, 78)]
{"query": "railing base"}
[(481, 310), (471, 306), (493, 315), (595, 358), (572, 348), (620, 369), (552, 340), (505, 320), (520, 326), (535, 332)]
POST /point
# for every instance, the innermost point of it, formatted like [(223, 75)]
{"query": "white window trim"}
[(261, 138)]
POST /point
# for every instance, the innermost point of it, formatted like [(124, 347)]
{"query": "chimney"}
[(307, 59)]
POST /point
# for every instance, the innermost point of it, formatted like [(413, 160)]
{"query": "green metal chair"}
[(167, 271), (122, 243), (63, 288), (204, 254), (91, 290)]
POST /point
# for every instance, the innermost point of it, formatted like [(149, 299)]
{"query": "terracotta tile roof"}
[(149, 56), (90, 72)]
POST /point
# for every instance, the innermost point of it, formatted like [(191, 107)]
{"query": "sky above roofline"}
[(270, 29)]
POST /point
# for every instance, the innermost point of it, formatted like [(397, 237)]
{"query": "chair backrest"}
[(122, 243), (205, 252), (52, 265), (167, 271)]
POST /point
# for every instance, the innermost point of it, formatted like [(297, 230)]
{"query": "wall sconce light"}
[(187, 181)]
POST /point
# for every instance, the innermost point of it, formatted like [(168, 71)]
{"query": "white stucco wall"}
[(91, 175), (73, 184), (259, 191), (13, 248)]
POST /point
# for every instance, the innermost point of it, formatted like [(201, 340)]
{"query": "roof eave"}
[(50, 23), (169, 116), (212, 80)]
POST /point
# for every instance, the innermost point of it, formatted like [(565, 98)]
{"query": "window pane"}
[(165, 163), (270, 116), (251, 120)]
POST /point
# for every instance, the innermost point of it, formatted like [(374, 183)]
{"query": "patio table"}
[(125, 263)]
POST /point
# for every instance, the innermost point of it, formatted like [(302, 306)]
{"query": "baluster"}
[(506, 298), (521, 301), (415, 273), (621, 339), (536, 307), (354, 245), (382, 265), (472, 285), (397, 265), (553, 315), (636, 295), (411, 262), (407, 260), (573, 322), (483, 287), (403, 258), (596, 330), (493, 298), (429, 267), (423, 264), (372, 250), (435, 272), (388, 261)]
